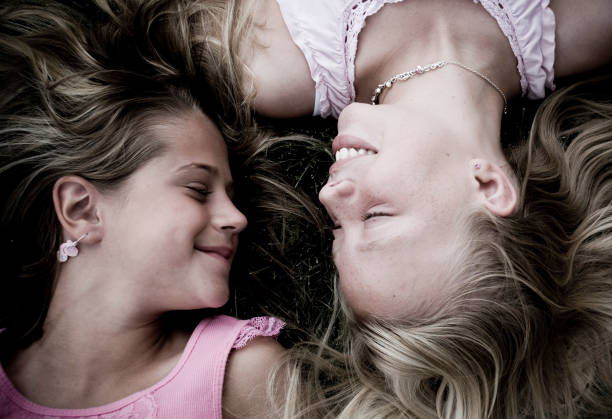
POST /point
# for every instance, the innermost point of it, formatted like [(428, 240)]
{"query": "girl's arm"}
[(246, 379), (583, 35)]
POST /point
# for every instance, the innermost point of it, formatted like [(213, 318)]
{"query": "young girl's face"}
[(172, 230)]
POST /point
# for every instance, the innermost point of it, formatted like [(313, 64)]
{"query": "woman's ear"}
[(496, 187), (76, 206)]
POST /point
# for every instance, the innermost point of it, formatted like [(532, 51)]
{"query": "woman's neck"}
[(404, 35), (401, 36)]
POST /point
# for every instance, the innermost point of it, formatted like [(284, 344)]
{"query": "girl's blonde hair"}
[(529, 331), (82, 92), (223, 31)]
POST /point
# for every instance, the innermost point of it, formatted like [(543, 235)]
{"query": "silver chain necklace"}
[(424, 69)]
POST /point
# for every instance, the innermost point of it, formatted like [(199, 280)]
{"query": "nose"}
[(337, 197), (229, 218)]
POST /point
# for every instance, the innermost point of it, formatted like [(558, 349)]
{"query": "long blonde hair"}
[(80, 95), (529, 331)]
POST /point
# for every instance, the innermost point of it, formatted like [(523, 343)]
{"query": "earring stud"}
[(69, 249)]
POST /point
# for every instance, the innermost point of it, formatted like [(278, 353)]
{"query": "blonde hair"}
[(223, 33), (527, 334), (528, 331), (221, 30)]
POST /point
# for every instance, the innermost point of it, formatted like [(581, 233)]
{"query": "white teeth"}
[(345, 153)]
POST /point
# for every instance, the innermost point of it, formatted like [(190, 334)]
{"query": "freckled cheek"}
[(350, 277), (179, 225), (359, 294), (191, 213), (369, 290), (385, 179)]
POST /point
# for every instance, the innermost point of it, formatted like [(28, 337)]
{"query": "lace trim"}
[(326, 84), (329, 89), (535, 60), (258, 326), (355, 14)]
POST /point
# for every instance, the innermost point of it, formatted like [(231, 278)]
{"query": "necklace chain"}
[(429, 67)]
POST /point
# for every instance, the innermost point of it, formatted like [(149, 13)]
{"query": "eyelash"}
[(204, 192), (372, 214), (364, 218)]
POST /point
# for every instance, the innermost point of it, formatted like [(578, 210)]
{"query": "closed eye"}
[(369, 215), (200, 190)]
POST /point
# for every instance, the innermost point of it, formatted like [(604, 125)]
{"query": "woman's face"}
[(174, 230), (398, 207)]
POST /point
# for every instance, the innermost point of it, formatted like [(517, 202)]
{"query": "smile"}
[(349, 152), (221, 252)]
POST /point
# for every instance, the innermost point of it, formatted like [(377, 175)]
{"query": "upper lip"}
[(350, 141), (224, 251)]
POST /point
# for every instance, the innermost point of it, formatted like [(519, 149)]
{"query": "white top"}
[(327, 31)]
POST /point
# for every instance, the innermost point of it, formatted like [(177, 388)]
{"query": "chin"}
[(217, 299), (209, 291)]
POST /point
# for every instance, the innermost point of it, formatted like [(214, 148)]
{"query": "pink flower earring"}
[(69, 248)]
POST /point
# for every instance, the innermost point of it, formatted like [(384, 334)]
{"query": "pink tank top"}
[(193, 389), (327, 31)]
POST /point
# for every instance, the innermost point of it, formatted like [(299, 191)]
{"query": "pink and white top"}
[(193, 389), (327, 31)]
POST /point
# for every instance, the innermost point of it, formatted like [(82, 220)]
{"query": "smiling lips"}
[(217, 251), (348, 146), (345, 153)]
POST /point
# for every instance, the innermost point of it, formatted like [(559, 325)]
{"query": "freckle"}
[(447, 154), (393, 295)]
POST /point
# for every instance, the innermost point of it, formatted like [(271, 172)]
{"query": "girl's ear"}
[(496, 187), (76, 205)]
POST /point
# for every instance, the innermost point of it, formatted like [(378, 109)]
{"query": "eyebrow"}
[(208, 168)]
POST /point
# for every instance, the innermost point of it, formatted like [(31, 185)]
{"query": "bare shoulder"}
[(283, 85), (246, 378)]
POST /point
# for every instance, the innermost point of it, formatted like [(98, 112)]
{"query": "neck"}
[(404, 35), (96, 351), (454, 99)]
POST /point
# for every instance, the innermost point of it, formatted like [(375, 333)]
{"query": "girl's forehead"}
[(191, 134)]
